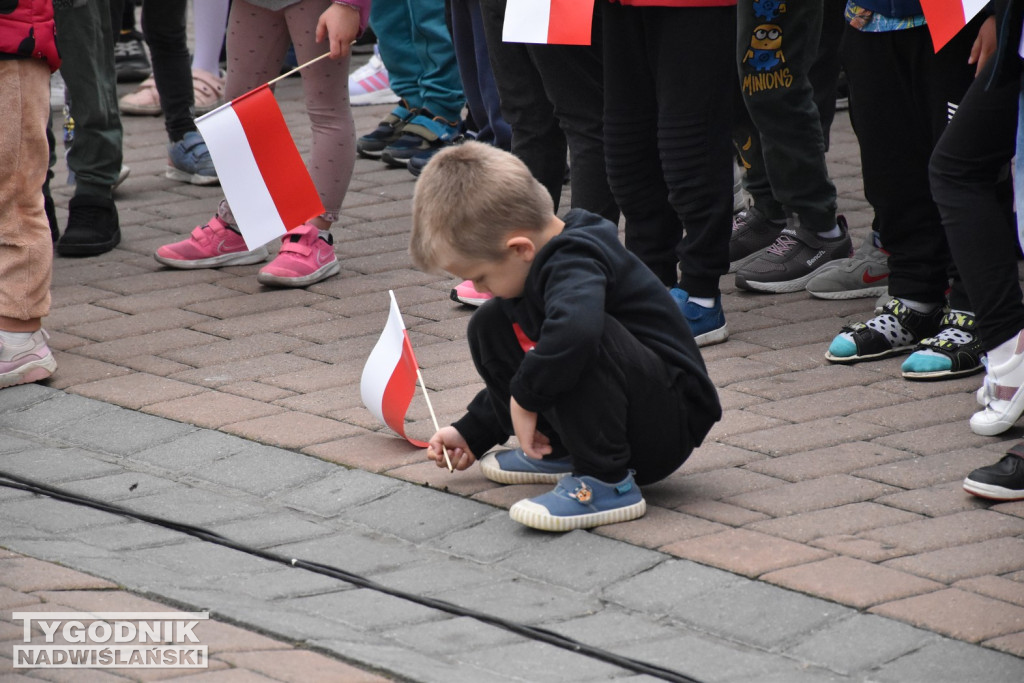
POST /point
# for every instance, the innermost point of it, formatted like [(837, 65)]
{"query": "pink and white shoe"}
[(28, 361), (209, 246), (464, 293), (305, 258)]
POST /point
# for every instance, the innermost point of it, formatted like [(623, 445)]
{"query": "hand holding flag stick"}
[(437, 427)]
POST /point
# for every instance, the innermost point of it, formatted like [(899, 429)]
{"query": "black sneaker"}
[(793, 259), (752, 231), (130, 61), (92, 227), (1003, 481), (894, 331), (387, 131), (424, 132)]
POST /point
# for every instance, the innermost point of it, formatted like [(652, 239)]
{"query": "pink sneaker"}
[(305, 258), (30, 361), (465, 294), (210, 245)]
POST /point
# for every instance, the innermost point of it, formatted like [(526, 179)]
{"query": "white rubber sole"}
[(35, 371), (376, 97), (713, 337), (191, 178), (491, 470), (536, 516), (851, 293), (990, 492), (242, 258), (323, 273)]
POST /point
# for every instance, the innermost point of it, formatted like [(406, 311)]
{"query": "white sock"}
[(703, 301), (918, 306), (15, 338), (210, 18), (1002, 353), (831, 234)]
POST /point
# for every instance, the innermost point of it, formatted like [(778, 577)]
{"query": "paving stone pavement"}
[(819, 534)]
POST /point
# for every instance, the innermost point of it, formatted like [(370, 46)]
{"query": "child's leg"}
[(631, 142), (325, 85), (497, 355), (628, 411), (26, 249)]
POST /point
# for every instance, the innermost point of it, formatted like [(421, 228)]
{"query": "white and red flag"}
[(389, 376), (549, 22), (263, 177), (946, 17)]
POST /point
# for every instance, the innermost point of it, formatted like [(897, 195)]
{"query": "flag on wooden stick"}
[(390, 374), (263, 177), (945, 18)]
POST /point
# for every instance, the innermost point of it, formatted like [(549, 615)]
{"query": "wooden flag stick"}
[(419, 376), (300, 66)]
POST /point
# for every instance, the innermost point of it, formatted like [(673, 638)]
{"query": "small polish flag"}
[(389, 376), (548, 22), (945, 18), (263, 177)]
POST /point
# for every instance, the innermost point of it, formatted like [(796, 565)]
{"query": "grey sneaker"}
[(865, 274), (792, 260), (752, 231)]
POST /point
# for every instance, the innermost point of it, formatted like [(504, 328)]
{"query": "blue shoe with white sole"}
[(581, 503), (516, 467)]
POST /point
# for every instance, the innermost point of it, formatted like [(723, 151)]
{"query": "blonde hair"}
[(468, 199)]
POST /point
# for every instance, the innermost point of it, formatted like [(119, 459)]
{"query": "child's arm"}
[(340, 24), (458, 449), (524, 422)]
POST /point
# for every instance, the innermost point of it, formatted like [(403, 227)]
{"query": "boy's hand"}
[(458, 449), (985, 44), (524, 422), (340, 25)]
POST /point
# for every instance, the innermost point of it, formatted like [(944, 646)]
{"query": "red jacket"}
[(27, 31)]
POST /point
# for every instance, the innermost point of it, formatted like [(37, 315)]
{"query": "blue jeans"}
[(417, 49)]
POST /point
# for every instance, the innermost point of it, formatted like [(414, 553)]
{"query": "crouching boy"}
[(586, 357)]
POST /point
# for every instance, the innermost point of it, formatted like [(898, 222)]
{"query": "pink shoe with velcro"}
[(209, 246), (305, 258)]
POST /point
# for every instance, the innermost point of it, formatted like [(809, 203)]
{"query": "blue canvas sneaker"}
[(189, 161), (707, 324), (581, 503), (516, 467)]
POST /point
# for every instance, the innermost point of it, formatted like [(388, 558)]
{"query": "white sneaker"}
[(1001, 394), (369, 83)]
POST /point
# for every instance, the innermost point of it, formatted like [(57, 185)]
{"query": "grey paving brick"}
[(705, 659), (118, 486), (197, 562), (287, 582), (338, 491), (670, 586), (416, 513), (131, 535), (53, 414), (413, 665), (287, 623), (437, 576), (54, 516), (361, 553), (12, 444), (55, 465), (261, 470), (122, 431), (187, 505), (452, 636), (271, 529), (541, 663), (495, 538), (741, 613), (191, 450), (582, 561), (617, 627), (523, 600), (18, 397), (365, 609), (950, 661), (860, 643)]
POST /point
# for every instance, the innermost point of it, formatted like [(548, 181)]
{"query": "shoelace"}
[(782, 245)]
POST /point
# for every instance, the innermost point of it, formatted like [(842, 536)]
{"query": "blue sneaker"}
[(516, 467), (707, 324), (189, 161), (387, 131), (581, 503), (422, 133)]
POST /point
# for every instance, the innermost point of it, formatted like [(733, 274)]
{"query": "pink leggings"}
[(257, 40), (26, 249)]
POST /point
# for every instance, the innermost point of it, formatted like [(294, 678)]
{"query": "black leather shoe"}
[(92, 227)]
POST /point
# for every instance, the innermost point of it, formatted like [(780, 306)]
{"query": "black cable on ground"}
[(533, 632)]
